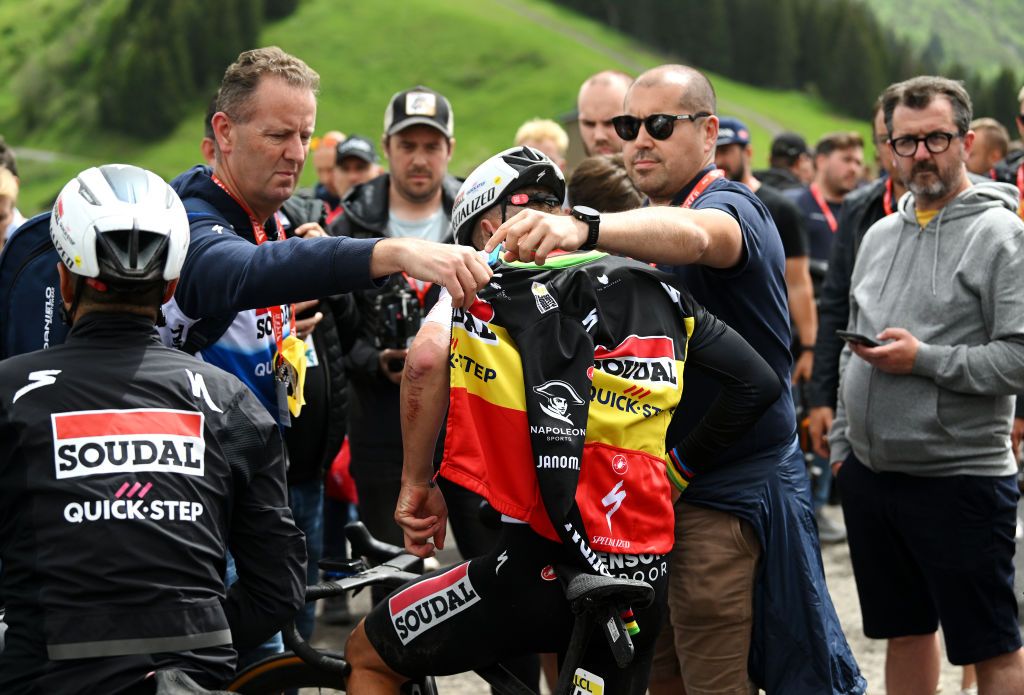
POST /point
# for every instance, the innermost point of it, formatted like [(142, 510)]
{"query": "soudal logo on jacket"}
[(650, 360), (429, 603), (144, 440)]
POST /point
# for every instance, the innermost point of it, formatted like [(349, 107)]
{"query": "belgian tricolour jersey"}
[(564, 378)]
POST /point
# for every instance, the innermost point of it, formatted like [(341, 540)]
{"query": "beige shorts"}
[(710, 597)]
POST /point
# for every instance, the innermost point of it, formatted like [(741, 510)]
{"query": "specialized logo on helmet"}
[(429, 603), (474, 206), (145, 440), (649, 360), (556, 397)]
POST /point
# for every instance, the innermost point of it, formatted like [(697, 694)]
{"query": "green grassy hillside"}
[(981, 34), (499, 62)]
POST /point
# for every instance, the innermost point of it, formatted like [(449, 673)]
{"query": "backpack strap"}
[(207, 330)]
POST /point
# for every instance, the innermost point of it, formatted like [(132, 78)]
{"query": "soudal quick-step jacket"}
[(564, 378), (127, 471)]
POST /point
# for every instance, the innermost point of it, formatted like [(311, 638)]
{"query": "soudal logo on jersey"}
[(144, 440), (649, 360), (429, 603)]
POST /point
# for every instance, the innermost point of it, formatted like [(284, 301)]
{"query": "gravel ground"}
[(870, 653)]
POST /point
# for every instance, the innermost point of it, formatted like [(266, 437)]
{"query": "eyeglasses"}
[(936, 143), (523, 200), (659, 125)]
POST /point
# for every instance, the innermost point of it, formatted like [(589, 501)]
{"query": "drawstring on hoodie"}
[(935, 256)]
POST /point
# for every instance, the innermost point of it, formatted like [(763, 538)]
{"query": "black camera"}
[(399, 315)]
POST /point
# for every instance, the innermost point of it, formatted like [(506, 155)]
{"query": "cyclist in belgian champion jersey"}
[(128, 469), (561, 381)]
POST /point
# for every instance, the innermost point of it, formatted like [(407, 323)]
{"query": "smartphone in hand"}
[(858, 339)]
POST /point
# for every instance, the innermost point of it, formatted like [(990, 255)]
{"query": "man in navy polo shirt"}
[(747, 590)]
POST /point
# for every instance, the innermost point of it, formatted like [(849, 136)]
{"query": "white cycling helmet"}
[(501, 176), (121, 224)]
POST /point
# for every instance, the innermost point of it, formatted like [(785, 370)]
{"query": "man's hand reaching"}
[(460, 269)]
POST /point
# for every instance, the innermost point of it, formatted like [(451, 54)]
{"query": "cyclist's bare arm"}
[(421, 510)]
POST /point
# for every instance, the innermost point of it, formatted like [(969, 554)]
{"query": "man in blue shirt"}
[(747, 590)]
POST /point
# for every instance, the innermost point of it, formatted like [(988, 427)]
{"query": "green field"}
[(980, 34), (499, 63)]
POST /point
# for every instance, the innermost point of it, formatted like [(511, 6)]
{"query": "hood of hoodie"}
[(958, 214), (946, 284), (366, 205), (196, 183)]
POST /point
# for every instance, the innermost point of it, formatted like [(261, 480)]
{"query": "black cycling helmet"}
[(496, 179)]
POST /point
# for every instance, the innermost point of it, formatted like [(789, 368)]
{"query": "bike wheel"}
[(283, 672)]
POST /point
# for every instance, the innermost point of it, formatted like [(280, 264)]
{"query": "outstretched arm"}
[(421, 510), (670, 235)]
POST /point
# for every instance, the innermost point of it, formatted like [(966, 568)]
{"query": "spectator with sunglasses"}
[(921, 437), (746, 565)]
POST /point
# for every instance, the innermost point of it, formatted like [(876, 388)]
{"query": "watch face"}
[(584, 211)]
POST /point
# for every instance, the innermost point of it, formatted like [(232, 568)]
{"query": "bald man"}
[(600, 100), (746, 562)]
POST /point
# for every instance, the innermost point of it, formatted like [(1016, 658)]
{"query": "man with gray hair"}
[(921, 439), (234, 304)]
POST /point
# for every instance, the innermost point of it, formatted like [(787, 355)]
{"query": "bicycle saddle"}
[(584, 590)]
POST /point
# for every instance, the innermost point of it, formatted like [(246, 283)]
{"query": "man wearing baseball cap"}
[(791, 162), (414, 200), (355, 162)]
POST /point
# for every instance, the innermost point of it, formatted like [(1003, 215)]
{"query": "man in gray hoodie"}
[(922, 430)]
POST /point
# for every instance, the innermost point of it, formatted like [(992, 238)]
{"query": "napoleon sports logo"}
[(649, 360), (144, 440), (429, 603)]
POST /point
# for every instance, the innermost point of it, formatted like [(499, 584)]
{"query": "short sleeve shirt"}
[(751, 298)]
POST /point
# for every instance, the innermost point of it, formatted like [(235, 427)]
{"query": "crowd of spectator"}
[(920, 254)]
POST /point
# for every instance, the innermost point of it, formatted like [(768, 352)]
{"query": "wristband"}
[(678, 472), (806, 348)]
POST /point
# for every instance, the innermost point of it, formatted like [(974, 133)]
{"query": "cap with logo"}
[(789, 145), (732, 131), (356, 146), (419, 106)]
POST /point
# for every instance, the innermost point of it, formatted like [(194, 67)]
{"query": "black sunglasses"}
[(659, 125), (524, 200)]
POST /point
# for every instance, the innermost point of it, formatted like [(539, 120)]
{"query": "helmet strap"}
[(68, 315)]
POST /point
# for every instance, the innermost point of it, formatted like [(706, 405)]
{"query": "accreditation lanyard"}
[(704, 182), (419, 287), (825, 209), (276, 313), (1020, 187), (887, 198)]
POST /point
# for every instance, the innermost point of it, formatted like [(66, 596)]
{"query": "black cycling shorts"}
[(505, 604)]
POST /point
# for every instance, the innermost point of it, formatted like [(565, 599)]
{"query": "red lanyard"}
[(420, 287), (701, 185), (887, 198), (825, 209), (260, 233), (1020, 187)]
